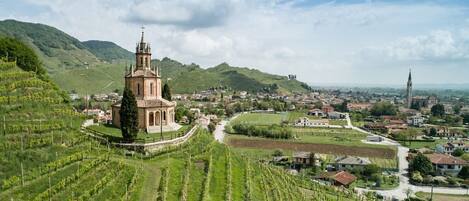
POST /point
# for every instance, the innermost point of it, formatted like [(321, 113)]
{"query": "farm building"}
[(351, 162), (338, 178), (306, 122), (304, 159)]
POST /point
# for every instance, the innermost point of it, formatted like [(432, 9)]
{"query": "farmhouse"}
[(335, 115), (304, 159), (351, 162), (338, 178), (444, 164), (154, 112), (451, 146), (306, 122), (327, 108), (316, 112)]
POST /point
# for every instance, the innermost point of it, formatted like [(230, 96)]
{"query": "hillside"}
[(190, 78), (44, 156), (80, 66), (57, 50), (108, 51)]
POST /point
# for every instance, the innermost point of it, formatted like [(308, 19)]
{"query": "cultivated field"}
[(333, 149)]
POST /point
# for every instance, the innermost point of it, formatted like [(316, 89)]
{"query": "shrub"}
[(458, 152), (417, 177), (421, 164), (464, 173), (278, 152), (371, 169), (273, 131)]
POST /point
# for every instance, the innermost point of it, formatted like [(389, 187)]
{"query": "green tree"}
[(464, 173), (465, 118), (278, 152), (457, 108), (458, 152), (383, 108), (129, 116), (438, 110), (26, 59), (371, 169), (433, 132), (421, 163), (211, 127), (166, 92)]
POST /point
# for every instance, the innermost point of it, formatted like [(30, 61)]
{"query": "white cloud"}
[(333, 42), (438, 45), (187, 14)]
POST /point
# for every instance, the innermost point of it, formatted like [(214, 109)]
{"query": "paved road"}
[(404, 185), (219, 132)]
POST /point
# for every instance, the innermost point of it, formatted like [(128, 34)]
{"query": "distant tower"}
[(409, 90)]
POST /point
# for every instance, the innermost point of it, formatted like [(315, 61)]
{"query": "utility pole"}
[(431, 195)]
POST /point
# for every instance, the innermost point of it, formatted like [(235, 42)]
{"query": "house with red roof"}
[(338, 178), (444, 164)]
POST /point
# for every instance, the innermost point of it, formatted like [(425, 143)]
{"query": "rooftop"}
[(445, 159)]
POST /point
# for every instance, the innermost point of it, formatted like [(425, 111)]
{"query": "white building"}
[(451, 146), (415, 121), (306, 122)]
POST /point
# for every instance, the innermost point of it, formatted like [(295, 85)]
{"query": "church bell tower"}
[(409, 90)]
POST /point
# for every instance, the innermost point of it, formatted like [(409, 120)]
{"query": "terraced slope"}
[(44, 156)]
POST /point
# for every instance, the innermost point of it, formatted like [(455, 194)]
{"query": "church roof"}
[(151, 103), (142, 73)]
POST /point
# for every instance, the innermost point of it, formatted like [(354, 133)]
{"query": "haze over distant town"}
[(328, 42)]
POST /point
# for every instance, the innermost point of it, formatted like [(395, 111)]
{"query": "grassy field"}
[(443, 197), (115, 133), (418, 145), (259, 119)]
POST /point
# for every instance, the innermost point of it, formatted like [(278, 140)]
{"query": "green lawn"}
[(418, 145), (443, 197), (338, 136), (141, 136), (259, 119), (387, 184)]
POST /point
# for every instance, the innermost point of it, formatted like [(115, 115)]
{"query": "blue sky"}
[(363, 42)]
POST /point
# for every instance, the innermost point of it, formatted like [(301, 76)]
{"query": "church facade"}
[(154, 112)]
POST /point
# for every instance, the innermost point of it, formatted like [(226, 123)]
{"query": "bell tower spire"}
[(409, 90), (143, 53)]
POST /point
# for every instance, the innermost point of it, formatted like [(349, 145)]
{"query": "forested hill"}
[(97, 66), (190, 78), (108, 51)]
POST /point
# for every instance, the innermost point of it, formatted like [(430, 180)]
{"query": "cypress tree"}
[(166, 92), (129, 116)]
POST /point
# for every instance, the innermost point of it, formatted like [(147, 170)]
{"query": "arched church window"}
[(151, 88), (146, 61), (164, 115), (141, 61)]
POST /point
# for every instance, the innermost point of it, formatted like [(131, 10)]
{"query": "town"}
[(234, 100)]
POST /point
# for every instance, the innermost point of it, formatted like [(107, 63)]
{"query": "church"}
[(154, 112)]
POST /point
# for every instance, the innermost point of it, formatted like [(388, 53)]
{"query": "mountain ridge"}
[(95, 66)]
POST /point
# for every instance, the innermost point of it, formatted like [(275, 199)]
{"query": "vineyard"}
[(44, 156)]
